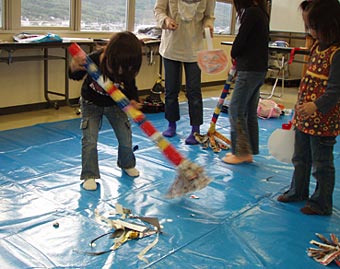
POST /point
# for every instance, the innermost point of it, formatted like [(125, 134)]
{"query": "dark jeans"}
[(173, 81), (243, 113), (92, 116), (313, 155)]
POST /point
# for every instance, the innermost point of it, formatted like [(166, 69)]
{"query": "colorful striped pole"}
[(209, 138), (224, 93), (190, 176)]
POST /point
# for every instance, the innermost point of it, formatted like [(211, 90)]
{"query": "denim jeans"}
[(244, 131), (173, 81), (313, 155), (91, 122)]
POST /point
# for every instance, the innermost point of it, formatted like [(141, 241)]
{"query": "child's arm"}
[(332, 94), (130, 90), (209, 17), (305, 110), (330, 98), (77, 63), (77, 71), (160, 12), (136, 104)]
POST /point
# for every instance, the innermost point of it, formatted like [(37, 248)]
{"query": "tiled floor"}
[(19, 120)]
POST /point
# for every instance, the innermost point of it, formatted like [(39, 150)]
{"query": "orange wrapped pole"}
[(190, 177)]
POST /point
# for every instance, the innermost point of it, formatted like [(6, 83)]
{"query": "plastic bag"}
[(268, 109), (36, 38)]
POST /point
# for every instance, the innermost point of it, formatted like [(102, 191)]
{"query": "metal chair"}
[(277, 65)]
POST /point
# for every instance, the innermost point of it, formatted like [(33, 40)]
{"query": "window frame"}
[(11, 18), (2, 14)]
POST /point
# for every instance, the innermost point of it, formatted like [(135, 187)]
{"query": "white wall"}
[(286, 16)]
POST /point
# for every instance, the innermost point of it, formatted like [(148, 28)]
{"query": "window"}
[(45, 13), (144, 13), (223, 15), (103, 15), (95, 15)]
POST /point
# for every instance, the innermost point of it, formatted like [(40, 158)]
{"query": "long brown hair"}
[(241, 5), (122, 57)]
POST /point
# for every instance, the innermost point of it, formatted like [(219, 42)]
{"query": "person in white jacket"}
[(183, 23)]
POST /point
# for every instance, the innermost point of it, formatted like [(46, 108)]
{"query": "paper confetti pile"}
[(327, 251)]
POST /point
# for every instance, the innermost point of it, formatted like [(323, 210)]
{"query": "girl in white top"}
[(183, 23)]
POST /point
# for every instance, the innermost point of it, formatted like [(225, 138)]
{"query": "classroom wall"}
[(22, 82), (286, 16)]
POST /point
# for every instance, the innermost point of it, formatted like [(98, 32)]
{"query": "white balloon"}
[(281, 144)]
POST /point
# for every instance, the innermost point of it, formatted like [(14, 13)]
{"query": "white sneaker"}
[(90, 184), (132, 172)]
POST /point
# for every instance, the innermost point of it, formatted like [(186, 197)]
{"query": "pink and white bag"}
[(268, 109)]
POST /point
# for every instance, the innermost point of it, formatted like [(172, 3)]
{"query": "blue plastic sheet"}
[(236, 221)]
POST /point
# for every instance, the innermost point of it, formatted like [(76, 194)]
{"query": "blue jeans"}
[(92, 116), (243, 113), (313, 155), (173, 81)]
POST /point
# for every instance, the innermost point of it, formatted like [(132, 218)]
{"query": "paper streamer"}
[(190, 177)]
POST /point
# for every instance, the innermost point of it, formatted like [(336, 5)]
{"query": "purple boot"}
[(190, 140), (171, 131)]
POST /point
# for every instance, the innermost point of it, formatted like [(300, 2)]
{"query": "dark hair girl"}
[(122, 57)]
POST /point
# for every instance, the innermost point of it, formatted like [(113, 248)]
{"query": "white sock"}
[(90, 184), (132, 172)]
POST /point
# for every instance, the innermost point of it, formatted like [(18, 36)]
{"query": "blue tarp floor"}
[(235, 222)]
